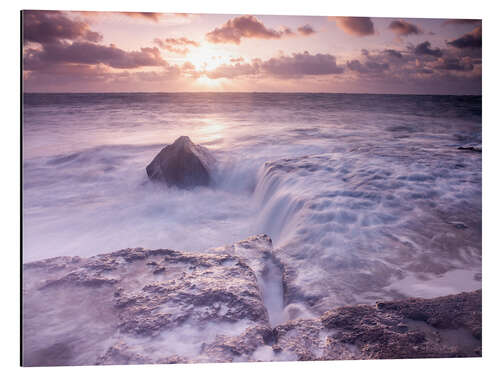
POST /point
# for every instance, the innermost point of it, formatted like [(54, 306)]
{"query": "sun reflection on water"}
[(211, 131)]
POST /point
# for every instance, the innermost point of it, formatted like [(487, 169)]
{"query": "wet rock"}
[(412, 328), (452, 312), (474, 148), (459, 224), (148, 306), (386, 330), (119, 308), (240, 348), (182, 164)]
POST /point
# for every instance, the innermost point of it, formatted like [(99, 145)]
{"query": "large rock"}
[(163, 306), (441, 327), (141, 306), (182, 164)]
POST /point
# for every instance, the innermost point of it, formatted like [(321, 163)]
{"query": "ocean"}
[(365, 196)]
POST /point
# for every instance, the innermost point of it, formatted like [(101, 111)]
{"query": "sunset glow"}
[(152, 52)]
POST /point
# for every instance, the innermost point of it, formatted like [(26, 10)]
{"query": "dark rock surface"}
[(182, 164), (414, 328), (473, 147), (163, 306)]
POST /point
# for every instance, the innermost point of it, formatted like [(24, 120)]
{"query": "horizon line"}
[(239, 92)]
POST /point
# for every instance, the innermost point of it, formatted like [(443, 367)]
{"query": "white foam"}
[(375, 201), (450, 282), (186, 340)]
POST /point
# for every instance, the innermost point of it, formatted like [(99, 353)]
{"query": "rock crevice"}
[(165, 306)]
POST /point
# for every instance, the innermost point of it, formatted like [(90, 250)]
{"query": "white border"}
[(9, 158)]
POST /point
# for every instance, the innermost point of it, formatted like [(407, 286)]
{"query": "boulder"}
[(182, 164), (142, 306)]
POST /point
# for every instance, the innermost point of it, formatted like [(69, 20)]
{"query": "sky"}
[(159, 52)]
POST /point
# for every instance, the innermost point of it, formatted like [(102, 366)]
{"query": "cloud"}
[(100, 78), (232, 71), (300, 64), (150, 16), (393, 53), (421, 61), (66, 57), (368, 67), (47, 27), (182, 42), (378, 62), (405, 71), (176, 45), (462, 21), (423, 71), (296, 65), (473, 39), (425, 49), (403, 28), (244, 27), (359, 26), (146, 15), (306, 30), (90, 54), (286, 31), (454, 63)]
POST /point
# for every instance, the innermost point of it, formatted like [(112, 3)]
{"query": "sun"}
[(208, 82), (208, 57)]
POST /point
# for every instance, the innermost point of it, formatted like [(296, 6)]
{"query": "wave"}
[(352, 226)]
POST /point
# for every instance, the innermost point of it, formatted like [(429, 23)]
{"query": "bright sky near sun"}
[(153, 52)]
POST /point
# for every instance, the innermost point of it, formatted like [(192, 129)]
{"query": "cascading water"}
[(369, 199)]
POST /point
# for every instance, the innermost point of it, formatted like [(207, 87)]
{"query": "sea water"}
[(362, 192)]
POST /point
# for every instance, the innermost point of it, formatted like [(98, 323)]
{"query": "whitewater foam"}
[(364, 194)]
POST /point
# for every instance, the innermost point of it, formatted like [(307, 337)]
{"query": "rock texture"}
[(182, 164), (163, 306), (414, 328)]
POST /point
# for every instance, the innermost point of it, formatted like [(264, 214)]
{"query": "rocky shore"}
[(227, 304)]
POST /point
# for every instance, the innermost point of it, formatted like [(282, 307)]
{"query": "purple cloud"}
[(53, 26), (425, 49), (147, 15), (181, 42), (300, 64), (244, 27), (92, 78), (473, 39), (454, 63), (176, 45), (296, 65), (232, 71), (404, 28), (462, 21), (393, 53), (91, 54), (359, 26), (369, 67), (306, 30)]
